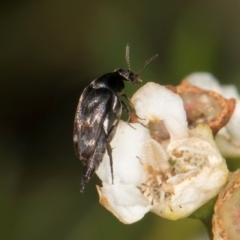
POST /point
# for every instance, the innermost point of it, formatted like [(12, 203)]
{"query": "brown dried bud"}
[(203, 106), (226, 219)]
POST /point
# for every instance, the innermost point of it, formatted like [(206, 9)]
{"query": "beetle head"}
[(129, 75)]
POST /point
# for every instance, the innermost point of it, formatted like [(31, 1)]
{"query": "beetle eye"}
[(127, 75)]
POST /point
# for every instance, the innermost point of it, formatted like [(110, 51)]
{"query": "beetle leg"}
[(132, 106), (109, 151), (128, 112), (128, 99), (109, 148), (126, 109)]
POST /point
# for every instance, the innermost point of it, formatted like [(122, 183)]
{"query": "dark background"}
[(50, 51)]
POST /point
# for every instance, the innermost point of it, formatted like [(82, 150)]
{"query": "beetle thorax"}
[(112, 81)]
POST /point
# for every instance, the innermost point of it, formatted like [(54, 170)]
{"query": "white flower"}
[(159, 164), (228, 138)]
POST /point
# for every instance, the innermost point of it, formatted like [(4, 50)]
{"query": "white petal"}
[(228, 139), (230, 91), (153, 101), (205, 81), (192, 193), (126, 202), (234, 124), (127, 147)]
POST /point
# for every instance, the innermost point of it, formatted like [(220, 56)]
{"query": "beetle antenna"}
[(147, 62), (127, 55)]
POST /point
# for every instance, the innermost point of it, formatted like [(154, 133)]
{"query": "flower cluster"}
[(166, 160)]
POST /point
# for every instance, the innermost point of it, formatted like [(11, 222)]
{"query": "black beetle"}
[(98, 113)]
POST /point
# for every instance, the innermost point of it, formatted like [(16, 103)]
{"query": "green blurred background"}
[(50, 51)]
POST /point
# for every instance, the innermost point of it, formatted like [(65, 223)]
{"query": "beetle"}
[(97, 116)]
